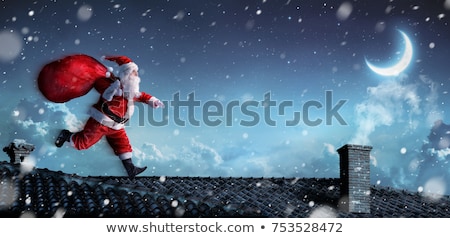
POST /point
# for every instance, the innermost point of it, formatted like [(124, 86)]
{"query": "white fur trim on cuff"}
[(125, 156)]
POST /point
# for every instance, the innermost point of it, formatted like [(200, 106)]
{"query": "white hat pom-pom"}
[(108, 73)]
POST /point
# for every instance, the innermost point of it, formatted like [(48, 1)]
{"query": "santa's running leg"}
[(91, 134), (131, 169), (122, 148)]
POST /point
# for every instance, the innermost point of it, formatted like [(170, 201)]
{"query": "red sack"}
[(70, 77)]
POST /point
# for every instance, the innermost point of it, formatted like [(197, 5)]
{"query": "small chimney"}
[(355, 178), (18, 150)]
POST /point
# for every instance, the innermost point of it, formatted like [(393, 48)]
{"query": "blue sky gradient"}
[(240, 51)]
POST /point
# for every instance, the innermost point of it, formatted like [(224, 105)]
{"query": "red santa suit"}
[(74, 76), (113, 109)]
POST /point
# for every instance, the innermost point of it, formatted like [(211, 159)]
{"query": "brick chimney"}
[(18, 150), (355, 178)]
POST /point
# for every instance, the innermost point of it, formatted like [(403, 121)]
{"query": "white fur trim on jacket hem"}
[(104, 120)]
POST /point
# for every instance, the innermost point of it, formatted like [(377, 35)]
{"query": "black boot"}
[(132, 170), (64, 136)]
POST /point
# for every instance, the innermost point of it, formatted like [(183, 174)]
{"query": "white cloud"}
[(155, 150), (373, 160), (71, 120), (148, 151), (433, 112), (260, 166), (179, 159), (441, 154), (386, 104), (205, 152), (40, 127), (330, 149)]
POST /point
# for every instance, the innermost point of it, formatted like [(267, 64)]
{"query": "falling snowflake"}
[(434, 188), (11, 45), (344, 11), (323, 212), (7, 192), (403, 150), (84, 13)]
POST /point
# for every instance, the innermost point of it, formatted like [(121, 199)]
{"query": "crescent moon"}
[(401, 65)]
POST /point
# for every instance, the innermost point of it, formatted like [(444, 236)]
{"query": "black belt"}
[(112, 115)]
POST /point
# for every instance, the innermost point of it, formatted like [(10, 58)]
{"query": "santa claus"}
[(109, 115)]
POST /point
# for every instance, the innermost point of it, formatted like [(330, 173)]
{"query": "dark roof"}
[(45, 193)]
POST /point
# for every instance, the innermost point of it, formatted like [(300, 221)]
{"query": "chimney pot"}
[(18, 150)]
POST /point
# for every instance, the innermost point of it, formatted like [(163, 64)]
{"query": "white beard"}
[(130, 87)]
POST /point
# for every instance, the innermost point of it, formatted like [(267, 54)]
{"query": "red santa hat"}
[(126, 65)]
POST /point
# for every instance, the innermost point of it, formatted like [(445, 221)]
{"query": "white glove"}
[(156, 103), (113, 90)]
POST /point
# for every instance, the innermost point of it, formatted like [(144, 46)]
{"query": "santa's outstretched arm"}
[(150, 100)]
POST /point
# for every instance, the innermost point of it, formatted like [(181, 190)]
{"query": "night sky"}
[(256, 55)]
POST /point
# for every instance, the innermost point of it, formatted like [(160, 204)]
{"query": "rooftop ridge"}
[(47, 193)]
